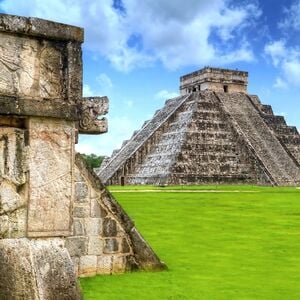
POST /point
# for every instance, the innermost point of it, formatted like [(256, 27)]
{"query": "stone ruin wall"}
[(23, 153), (51, 173), (57, 221), (99, 243), (214, 86), (31, 231)]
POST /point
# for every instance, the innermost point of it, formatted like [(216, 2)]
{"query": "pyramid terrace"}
[(214, 132)]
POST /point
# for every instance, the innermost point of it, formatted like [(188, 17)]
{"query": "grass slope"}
[(217, 245)]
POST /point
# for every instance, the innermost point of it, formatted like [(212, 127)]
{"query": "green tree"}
[(93, 160)]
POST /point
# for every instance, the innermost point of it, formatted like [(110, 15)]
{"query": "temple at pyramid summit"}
[(214, 132)]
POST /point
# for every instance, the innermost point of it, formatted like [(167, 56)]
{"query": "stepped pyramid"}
[(215, 132)]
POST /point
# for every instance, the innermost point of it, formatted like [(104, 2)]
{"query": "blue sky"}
[(135, 51)]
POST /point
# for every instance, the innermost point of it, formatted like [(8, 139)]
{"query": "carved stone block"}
[(111, 246), (40, 65), (109, 227), (88, 265), (77, 246), (104, 264), (51, 177), (29, 68), (13, 155), (95, 246)]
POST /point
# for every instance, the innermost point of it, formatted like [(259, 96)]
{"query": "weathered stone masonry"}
[(56, 218), (104, 239), (213, 133)]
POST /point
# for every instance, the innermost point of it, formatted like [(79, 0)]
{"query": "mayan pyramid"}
[(214, 132)]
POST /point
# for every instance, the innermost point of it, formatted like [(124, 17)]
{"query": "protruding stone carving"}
[(90, 109)]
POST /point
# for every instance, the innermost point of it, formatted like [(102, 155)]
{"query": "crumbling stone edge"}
[(145, 257)]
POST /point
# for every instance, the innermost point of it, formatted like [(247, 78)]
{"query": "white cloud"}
[(179, 34), (164, 95), (236, 20), (104, 81), (292, 17), (287, 60), (291, 68), (174, 32), (104, 87), (277, 51), (86, 147), (280, 83), (87, 91)]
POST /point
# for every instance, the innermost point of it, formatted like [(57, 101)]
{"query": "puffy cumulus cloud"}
[(132, 33), (179, 33), (287, 60), (291, 69), (105, 28), (292, 17), (277, 51), (164, 94)]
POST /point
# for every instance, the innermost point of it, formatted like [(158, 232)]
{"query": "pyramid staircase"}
[(141, 143)]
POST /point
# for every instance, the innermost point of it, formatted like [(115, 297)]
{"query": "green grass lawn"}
[(224, 245)]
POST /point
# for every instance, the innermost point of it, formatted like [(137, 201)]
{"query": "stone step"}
[(207, 105), (141, 137), (286, 130), (274, 120), (207, 115), (259, 136)]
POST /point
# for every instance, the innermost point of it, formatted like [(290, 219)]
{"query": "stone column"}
[(41, 113)]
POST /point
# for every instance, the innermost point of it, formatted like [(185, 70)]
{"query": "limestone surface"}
[(36, 270), (57, 220), (104, 239), (51, 171)]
